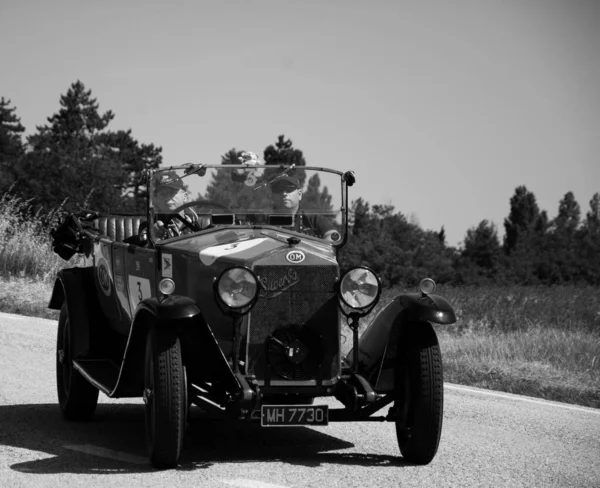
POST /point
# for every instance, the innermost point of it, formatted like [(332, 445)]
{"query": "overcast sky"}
[(441, 108)]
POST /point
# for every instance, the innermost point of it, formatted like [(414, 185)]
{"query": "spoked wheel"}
[(77, 398), (165, 398), (419, 393)]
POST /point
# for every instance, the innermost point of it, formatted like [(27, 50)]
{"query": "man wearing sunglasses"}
[(170, 195), (287, 194)]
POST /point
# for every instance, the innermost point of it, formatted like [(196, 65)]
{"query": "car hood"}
[(251, 246)]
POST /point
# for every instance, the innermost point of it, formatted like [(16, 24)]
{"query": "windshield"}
[(195, 198)]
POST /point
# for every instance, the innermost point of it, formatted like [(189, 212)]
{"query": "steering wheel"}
[(209, 203), (195, 226)]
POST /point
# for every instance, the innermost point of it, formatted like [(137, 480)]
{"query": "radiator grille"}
[(295, 297)]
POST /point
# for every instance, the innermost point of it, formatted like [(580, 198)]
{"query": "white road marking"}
[(511, 396), (108, 453), (244, 483)]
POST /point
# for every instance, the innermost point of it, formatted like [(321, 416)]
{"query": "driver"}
[(170, 195), (287, 194)]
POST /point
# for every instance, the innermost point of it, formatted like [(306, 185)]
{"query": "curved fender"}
[(70, 282), (379, 341), (174, 311), (174, 307), (187, 320), (75, 287)]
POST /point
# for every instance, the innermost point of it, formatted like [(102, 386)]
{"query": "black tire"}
[(419, 393), (77, 397), (165, 398)]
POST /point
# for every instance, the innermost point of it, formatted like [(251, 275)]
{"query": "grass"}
[(28, 266), (546, 363), (25, 245), (536, 341), (26, 296)]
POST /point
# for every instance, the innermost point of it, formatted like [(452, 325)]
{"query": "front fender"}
[(202, 356), (178, 312), (379, 342), (174, 307), (75, 287)]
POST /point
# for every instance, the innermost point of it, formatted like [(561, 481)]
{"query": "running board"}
[(102, 373)]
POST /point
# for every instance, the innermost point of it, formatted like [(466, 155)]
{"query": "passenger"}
[(287, 194)]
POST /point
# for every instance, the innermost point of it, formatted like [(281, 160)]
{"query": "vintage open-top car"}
[(227, 294)]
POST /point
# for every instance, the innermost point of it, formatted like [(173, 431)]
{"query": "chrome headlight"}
[(427, 286), (237, 287), (166, 286), (360, 288)]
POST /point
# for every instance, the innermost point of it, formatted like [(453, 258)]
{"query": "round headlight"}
[(359, 288), (166, 286), (237, 287), (427, 286)]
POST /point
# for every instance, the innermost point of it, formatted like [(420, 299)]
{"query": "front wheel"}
[(76, 397), (419, 394), (165, 398)]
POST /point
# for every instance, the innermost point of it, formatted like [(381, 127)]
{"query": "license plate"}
[(286, 415)]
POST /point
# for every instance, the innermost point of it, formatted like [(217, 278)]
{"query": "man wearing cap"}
[(287, 194), (169, 195)]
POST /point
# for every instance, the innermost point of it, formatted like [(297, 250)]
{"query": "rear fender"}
[(378, 344)]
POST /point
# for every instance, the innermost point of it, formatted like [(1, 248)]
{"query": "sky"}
[(442, 108)]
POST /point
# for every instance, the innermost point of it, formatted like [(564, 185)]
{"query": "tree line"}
[(534, 250), (76, 160)]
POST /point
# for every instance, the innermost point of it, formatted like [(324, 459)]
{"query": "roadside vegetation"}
[(28, 265), (532, 340)]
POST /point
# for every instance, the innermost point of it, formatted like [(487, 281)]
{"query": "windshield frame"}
[(193, 168)]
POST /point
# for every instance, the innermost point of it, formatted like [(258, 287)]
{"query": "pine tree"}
[(75, 157), (525, 239), (564, 245), (523, 218), (482, 254), (360, 218), (314, 197), (222, 188), (11, 143), (121, 148), (569, 214), (590, 243), (67, 161), (442, 236), (284, 153), (592, 217)]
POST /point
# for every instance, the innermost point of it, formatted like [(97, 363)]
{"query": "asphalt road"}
[(489, 439)]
